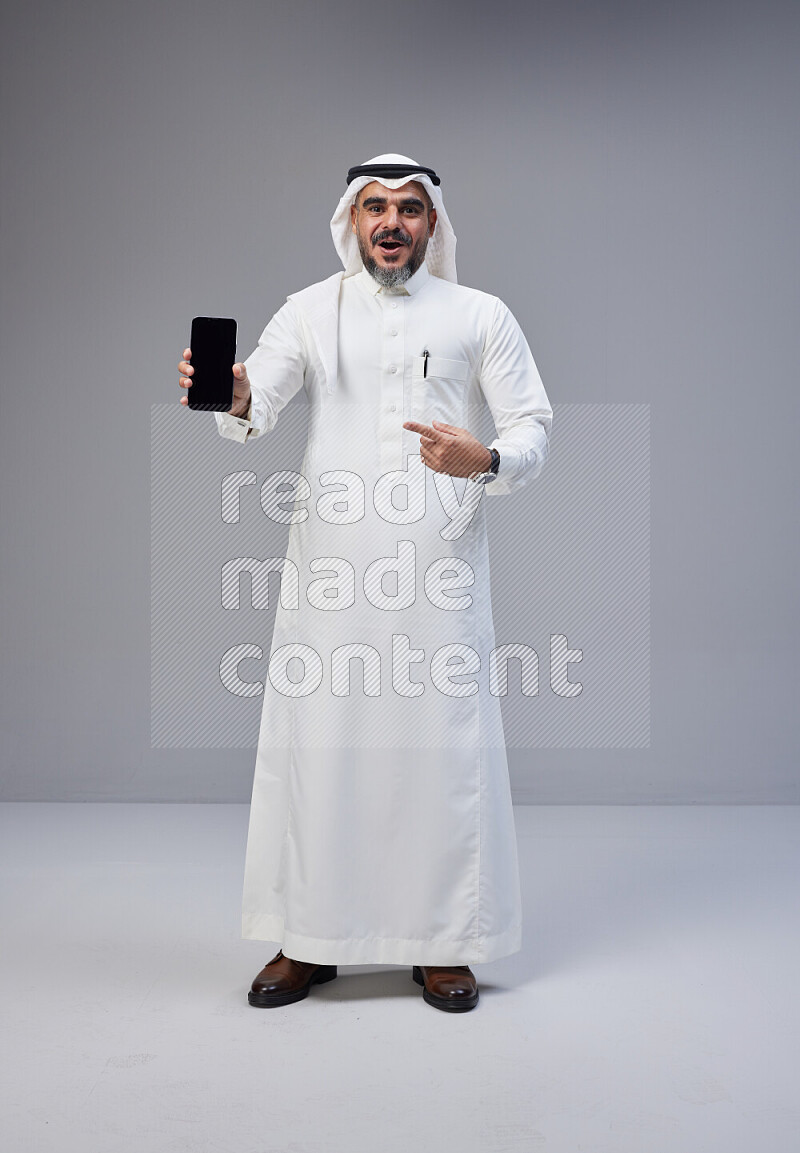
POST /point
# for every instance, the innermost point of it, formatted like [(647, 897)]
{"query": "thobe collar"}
[(410, 288)]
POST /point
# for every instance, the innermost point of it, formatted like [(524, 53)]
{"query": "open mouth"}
[(390, 246)]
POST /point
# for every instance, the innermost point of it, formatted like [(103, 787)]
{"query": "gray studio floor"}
[(653, 1008)]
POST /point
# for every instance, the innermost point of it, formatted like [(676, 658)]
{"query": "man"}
[(381, 826)]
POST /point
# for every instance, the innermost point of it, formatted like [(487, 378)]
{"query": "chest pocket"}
[(442, 393)]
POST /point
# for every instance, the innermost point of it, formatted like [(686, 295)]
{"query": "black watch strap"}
[(493, 467)]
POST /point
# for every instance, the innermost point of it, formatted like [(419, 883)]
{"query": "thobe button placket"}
[(392, 361)]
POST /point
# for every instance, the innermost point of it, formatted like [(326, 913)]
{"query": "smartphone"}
[(213, 345)]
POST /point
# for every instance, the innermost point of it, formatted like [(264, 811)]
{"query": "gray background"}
[(623, 176)]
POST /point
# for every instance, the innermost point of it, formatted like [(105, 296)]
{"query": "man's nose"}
[(392, 217)]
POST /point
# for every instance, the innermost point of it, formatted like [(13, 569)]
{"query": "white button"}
[(394, 304), (393, 332), (392, 368), (392, 408)]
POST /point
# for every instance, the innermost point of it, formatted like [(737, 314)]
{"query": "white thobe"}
[(381, 825)]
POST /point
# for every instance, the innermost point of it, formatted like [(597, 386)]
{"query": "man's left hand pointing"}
[(445, 448)]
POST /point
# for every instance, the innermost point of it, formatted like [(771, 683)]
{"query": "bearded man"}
[(381, 825)]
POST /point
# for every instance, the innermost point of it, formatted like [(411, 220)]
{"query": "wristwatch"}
[(487, 477)]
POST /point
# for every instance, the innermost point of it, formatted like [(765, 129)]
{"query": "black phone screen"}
[(213, 346)]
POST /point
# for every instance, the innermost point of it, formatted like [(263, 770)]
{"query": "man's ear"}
[(353, 211), (431, 221)]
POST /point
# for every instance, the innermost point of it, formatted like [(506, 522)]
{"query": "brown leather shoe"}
[(283, 981), (449, 987)]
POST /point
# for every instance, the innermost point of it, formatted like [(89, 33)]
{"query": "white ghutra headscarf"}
[(440, 255)]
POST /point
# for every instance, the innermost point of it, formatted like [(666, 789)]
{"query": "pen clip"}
[(425, 355)]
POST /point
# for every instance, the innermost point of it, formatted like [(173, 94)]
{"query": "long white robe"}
[(381, 825)]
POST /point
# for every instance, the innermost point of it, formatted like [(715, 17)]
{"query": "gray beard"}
[(392, 277)]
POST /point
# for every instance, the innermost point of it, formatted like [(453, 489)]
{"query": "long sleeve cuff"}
[(521, 458), (239, 428)]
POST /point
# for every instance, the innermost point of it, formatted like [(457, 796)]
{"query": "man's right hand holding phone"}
[(241, 384)]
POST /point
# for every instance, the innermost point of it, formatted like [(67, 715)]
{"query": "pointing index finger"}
[(422, 429)]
